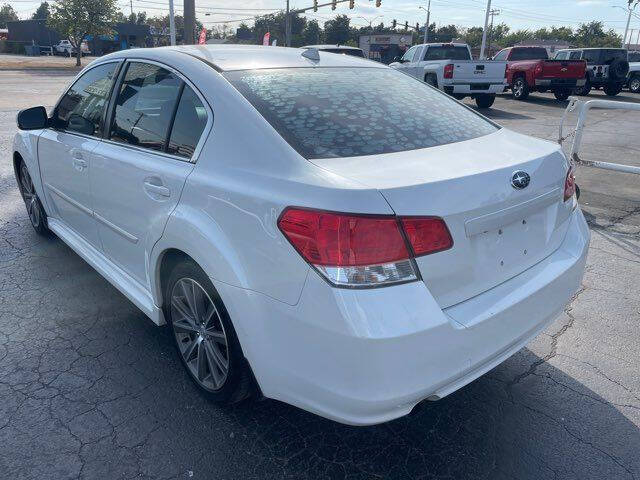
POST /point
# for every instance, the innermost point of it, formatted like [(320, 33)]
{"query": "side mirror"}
[(33, 118), (77, 123), (397, 59)]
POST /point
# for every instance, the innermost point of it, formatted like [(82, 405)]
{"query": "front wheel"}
[(37, 215), (561, 95), (485, 101), (204, 336), (612, 89), (584, 90), (520, 89), (634, 84)]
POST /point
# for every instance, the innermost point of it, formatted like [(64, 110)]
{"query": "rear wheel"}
[(612, 89), (634, 84), (431, 80), (520, 89), (204, 336), (485, 101), (561, 95), (37, 215)]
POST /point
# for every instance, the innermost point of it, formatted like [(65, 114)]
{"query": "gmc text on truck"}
[(530, 70), (449, 67)]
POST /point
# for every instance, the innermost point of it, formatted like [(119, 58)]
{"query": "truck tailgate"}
[(480, 71), (563, 69)]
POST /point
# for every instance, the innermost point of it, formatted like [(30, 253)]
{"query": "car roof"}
[(226, 58), (339, 47)]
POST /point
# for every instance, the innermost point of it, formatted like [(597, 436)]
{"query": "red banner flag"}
[(203, 36), (266, 38)]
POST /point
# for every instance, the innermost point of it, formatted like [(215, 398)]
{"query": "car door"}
[(157, 123), (405, 62), (65, 150)]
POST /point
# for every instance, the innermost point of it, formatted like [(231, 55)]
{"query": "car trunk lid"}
[(498, 231)]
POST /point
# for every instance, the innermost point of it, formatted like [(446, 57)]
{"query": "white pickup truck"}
[(450, 67), (64, 47)]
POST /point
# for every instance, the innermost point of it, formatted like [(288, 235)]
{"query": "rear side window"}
[(561, 56), (82, 107), (575, 55), (529, 54), (190, 120), (145, 105), (634, 56), (502, 55), (448, 52), (326, 112)]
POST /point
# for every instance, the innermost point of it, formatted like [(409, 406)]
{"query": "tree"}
[(139, 18), (42, 12), (312, 33), (76, 19), (592, 34), (7, 14), (473, 36), (338, 30)]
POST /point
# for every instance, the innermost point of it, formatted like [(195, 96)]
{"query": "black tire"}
[(520, 89), (634, 84), (485, 101), (238, 384), (35, 210), (612, 89), (432, 80), (619, 69), (584, 90), (562, 94)]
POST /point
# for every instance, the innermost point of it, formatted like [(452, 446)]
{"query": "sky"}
[(518, 14)]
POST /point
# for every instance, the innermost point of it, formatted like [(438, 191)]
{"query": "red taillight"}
[(363, 250), (427, 235), (448, 71), (538, 69), (569, 185)]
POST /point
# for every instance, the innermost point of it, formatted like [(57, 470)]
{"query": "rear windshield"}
[(529, 54), (604, 56), (353, 52), (344, 112), (447, 52)]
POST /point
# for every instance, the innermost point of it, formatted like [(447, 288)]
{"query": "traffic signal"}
[(352, 3), (394, 23), (406, 25), (333, 5), (315, 5), (378, 2)]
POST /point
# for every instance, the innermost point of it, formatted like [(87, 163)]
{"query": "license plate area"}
[(479, 86)]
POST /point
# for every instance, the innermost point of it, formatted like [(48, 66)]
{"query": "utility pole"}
[(172, 23), (131, 5), (287, 27), (632, 5), (189, 22), (630, 38), (484, 32), (493, 13), (426, 27)]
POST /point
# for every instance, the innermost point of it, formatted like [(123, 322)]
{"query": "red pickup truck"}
[(530, 70)]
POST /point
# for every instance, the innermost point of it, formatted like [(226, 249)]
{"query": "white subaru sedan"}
[(315, 228)]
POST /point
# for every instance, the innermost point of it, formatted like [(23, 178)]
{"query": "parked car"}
[(607, 68), (530, 70), (449, 67), (340, 49), (64, 47), (351, 251), (633, 79)]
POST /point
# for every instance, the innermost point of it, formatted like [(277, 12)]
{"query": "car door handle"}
[(157, 189)]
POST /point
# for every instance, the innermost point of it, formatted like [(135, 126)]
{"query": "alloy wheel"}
[(30, 197), (518, 87), (200, 334), (634, 85)]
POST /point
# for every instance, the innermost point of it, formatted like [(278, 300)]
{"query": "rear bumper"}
[(560, 82), (475, 88), (368, 356)]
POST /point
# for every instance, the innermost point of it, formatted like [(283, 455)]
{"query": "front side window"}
[(408, 56), (561, 55), (501, 55), (447, 52), (145, 105), (577, 55), (325, 112), (189, 123), (82, 107)]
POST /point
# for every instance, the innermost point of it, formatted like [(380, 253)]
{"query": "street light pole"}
[(426, 27), (287, 27), (626, 30), (189, 22), (484, 32), (172, 24)]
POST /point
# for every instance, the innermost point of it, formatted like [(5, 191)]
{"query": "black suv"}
[(606, 67)]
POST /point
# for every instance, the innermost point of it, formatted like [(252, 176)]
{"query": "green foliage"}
[(7, 14), (338, 30), (42, 12)]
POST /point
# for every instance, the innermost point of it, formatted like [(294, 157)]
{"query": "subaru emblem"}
[(520, 180)]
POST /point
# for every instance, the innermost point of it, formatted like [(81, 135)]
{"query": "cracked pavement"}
[(90, 389)]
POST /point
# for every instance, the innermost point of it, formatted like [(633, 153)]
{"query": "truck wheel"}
[(561, 95), (634, 84), (612, 89), (520, 89), (485, 101), (431, 80), (584, 90)]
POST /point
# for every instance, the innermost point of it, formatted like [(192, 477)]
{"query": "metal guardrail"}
[(583, 108)]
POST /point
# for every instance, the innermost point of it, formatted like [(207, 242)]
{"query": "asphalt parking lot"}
[(89, 388)]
